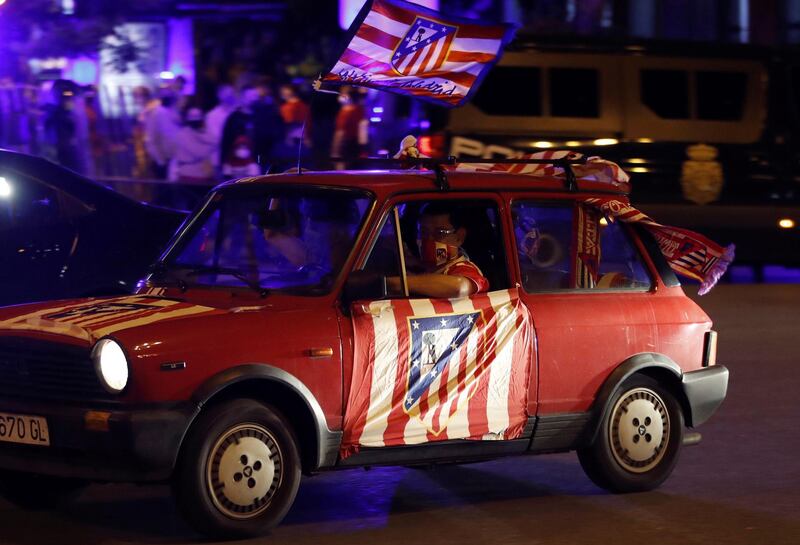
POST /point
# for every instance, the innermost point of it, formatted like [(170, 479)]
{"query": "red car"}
[(275, 337)]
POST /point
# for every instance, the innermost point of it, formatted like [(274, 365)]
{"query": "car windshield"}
[(269, 238)]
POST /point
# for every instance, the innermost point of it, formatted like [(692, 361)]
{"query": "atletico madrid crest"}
[(434, 341), (424, 48)]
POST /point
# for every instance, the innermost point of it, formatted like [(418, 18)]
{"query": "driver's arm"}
[(440, 286)]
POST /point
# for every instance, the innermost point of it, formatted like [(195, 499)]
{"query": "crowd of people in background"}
[(252, 128), (247, 132)]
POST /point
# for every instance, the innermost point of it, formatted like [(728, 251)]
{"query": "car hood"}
[(91, 319)]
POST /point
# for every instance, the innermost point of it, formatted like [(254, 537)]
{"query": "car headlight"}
[(111, 365)]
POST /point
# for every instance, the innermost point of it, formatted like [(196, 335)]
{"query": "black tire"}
[(639, 440), (38, 492), (234, 451)]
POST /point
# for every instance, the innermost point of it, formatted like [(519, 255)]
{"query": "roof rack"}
[(438, 164)]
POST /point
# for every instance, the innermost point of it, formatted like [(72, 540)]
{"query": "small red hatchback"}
[(324, 320)]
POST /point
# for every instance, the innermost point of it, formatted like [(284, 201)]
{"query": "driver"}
[(281, 234), (448, 272)]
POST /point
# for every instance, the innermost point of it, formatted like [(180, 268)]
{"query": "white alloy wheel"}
[(245, 469), (639, 433)]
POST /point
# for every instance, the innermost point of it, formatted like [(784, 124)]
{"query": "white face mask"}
[(242, 153)]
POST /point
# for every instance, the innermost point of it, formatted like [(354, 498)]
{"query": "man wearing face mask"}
[(240, 162), (193, 151), (241, 122), (448, 272)]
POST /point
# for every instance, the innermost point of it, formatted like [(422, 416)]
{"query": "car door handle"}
[(326, 352)]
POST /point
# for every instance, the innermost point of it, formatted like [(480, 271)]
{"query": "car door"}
[(37, 237), (428, 385), (583, 332)]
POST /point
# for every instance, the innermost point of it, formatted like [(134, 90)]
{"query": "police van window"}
[(511, 90), (666, 92), (721, 95), (574, 92)]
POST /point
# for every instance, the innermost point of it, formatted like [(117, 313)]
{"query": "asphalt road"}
[(741, 485)]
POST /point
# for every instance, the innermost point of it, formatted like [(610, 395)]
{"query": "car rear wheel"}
[(239, 470), (38, 492), (639, 440)]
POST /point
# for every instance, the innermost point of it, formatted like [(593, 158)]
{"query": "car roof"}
[(404, 181)]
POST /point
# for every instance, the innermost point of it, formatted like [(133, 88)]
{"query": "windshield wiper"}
[(236, 273)]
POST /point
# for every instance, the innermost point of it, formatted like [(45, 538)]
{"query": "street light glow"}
[(786, 223)]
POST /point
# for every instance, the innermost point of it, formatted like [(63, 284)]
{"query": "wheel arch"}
[(318, 445), (656, 366)]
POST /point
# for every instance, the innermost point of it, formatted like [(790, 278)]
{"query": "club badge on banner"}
[(431, 370), (410, 50)]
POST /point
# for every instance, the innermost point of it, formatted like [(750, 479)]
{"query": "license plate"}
[(20, 428)]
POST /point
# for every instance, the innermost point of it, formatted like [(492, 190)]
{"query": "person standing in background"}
[(268, 129), (295, 114), (182, 98), (161, 127), (240, 123), (218, 115), (240, 162), (192, 162), (66, 142), (145, 104), (350, 136)]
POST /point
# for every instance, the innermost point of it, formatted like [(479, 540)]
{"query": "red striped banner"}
[(431, 370)]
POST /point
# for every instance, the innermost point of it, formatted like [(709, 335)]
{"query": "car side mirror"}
[(363, 285)]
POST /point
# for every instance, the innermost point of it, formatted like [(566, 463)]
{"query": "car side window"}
[(543, 234), (483, 245), (621, 266), (548, 259)]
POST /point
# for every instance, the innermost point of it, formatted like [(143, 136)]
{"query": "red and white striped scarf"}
[(688, 253), (594, 169)]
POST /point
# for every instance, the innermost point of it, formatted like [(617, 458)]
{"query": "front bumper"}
[(705, 391), (140, 444)]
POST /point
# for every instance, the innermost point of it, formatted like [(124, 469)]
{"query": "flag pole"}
[(317, 87)]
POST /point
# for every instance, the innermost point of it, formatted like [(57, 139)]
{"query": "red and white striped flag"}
[(407, 49), (432, 370)]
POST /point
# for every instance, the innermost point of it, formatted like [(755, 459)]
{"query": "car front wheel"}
[(639, 440), (239, 470)]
